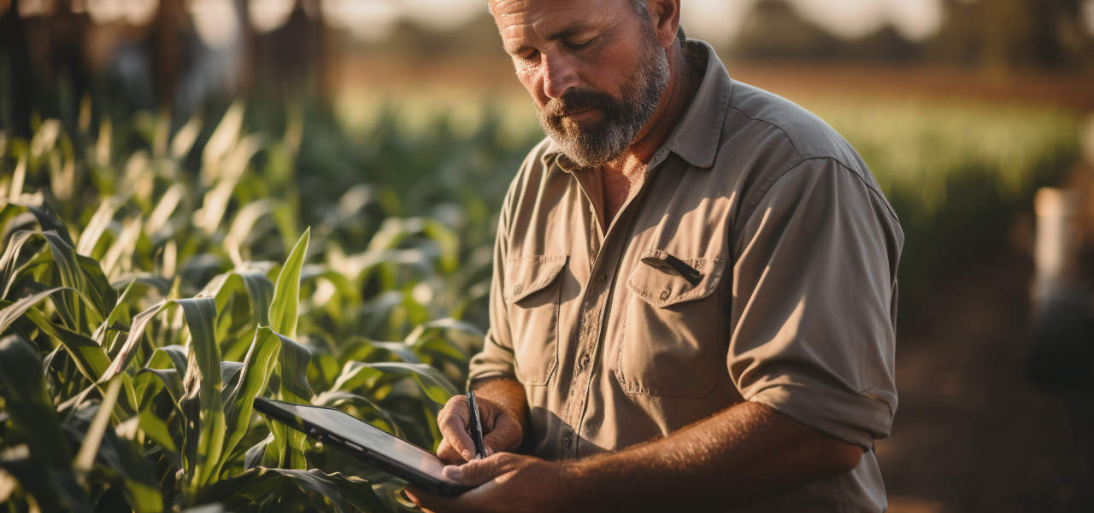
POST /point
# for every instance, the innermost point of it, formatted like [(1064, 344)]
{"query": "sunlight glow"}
[(215, 21)]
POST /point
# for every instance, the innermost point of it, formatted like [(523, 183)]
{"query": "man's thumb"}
[(474, 472)]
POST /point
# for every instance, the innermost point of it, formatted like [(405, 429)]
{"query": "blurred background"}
[(358, 117)]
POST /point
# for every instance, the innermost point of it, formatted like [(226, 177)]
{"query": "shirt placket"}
[(605, 253)]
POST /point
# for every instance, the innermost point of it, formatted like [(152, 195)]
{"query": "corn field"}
[(158, 277), (147, 302)]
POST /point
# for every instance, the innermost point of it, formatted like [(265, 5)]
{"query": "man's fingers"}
[(449, 454), (452, 422), (506, 434), (477, 472)]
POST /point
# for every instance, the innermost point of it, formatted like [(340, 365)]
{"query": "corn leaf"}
[(202, 403), (286, 300), (430, 380), (258, 366), (28, 404), (120, 459), (53, 489), (346, 494)]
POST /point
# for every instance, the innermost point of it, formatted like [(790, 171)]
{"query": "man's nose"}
[(559, 75)]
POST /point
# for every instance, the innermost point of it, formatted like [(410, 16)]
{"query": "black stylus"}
[(475, 425)]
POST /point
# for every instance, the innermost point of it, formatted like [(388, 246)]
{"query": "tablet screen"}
[(360, 433)]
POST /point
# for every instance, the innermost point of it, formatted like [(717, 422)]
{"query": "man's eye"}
[(529, 56), (581, 45)]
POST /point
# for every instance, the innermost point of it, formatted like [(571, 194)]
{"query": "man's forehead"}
[(505, 9), (550, 19)]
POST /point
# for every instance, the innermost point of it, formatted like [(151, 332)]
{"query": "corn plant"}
[(138, 337)]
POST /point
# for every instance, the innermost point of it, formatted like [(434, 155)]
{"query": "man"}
[(694, 289)]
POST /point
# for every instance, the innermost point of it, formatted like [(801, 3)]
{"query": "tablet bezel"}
[(381, 461)]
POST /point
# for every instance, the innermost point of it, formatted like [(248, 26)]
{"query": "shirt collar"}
[(695, 138)]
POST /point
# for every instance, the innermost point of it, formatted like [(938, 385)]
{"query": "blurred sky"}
[(714, 20)]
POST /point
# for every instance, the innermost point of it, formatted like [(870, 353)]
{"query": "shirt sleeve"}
[(814, 301), (496, 358)]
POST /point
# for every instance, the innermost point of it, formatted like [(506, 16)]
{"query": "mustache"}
[(576, 100)]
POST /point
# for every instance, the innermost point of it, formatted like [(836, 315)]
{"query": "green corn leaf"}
[(440, 325), (156, 429), (243, 225), (118, 458), (136, 331), (448, 243), (261, 291), (259, 288), (116, 315), (202, 403), (186, 136), (355, 375), (28, 404), (81, 275), (430, 380), (49, 221), (90, 358), (90, 447), (98, 224), (293, 373), (258, 366), (283, 310), (168, 364), (169, 379), (345, 494), (54, 489), (200, 315), (14, 311), (164, 208)]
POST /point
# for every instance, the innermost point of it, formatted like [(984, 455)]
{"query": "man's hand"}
[(501, 428), (506, 482)]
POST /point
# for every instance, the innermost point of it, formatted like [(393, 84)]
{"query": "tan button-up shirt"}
[(756, 261)]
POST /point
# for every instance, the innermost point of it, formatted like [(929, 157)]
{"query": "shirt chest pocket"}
[(533, 290), (673, 333)]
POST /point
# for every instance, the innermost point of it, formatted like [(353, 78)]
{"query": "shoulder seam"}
[(793, 144), (749, 209)]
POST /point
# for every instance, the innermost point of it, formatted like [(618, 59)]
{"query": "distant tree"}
[(775, 29), (21, 76), (1008, 33)]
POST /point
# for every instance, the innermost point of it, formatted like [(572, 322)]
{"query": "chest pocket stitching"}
[(649, 284), (529, 276)]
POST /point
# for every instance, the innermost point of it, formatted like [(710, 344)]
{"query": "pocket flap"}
[(662, 285), (525, 276)]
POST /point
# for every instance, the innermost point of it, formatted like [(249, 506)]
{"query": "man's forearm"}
[(508, 393), (746, 450)]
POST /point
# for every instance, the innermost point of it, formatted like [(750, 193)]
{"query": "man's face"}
[(593, 68)]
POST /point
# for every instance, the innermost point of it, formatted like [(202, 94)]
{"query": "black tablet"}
[(334, 427)]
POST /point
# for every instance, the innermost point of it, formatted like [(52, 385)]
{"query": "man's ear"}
[(665, 17)]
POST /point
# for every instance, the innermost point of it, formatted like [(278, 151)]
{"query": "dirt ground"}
[(973, 432)]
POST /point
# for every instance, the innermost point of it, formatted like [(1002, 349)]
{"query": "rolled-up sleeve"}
[(496, 358), (814, 301)]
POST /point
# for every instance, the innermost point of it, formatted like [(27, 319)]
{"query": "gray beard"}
[(622, 121)]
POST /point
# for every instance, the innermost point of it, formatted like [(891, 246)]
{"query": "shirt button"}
[(662, 153), (567, 441), (602, 278), (584, 361), (518, 288), (664, 295)]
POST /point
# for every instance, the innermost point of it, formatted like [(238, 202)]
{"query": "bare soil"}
[(973, 432)]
